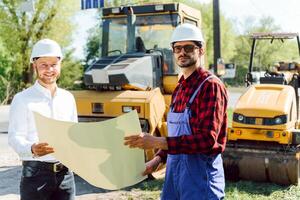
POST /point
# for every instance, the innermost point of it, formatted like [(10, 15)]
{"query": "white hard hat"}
[(46, 48), (186, 32)]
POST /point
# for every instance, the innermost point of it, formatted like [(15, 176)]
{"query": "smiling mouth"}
[(49, 76)]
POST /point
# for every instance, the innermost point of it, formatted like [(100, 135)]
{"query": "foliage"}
[(227, 32), (266, 52), (239, 80), (5, 84), (20, 30), (92, 51), (71, 72), (229, 116)]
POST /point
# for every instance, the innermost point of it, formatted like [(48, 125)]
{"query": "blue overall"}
[(191, 176)]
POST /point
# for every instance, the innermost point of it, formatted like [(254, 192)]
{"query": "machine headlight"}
[(278, 120), (238, 118), (126, 109), (282, 119)]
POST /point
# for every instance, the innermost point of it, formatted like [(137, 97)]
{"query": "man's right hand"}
[(41, 149), (152, 165)]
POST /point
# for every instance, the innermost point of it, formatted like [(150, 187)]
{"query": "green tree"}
[(227, 32), (266, 53), (20, 30), (92, 48), (5, 85)]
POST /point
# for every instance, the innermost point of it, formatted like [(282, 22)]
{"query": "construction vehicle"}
[(263, 142), (136, 69)]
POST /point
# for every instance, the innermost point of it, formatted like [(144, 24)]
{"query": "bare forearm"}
[(161, 143), (146, 141)]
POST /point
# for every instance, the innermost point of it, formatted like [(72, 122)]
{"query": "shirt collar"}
[(44, 90), (184, 82), (199, 73)]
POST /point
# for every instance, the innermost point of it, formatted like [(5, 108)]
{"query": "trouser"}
[(194, 177), (42, 181)]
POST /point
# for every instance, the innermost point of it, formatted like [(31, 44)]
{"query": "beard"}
[(189, 61), (46, 80)]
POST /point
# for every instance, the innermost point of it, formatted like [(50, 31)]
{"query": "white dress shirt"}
[(22, 131)]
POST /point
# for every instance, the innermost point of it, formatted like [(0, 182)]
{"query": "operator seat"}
[(140, 46)]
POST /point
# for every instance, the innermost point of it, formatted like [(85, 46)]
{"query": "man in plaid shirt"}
[(197, 123)]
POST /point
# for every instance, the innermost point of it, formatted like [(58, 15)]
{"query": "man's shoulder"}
[(25, 93), (203, 73), (23, 97), (212, 80)]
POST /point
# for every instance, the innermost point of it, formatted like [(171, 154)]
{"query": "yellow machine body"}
[(263, 141), (259, 107), (141, 80)]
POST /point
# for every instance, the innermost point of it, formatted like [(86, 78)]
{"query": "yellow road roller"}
[(263, 142)]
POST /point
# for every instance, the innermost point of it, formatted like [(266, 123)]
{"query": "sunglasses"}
[(187, 48)]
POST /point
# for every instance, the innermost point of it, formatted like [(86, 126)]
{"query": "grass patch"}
[(246, 190), (242, 190)]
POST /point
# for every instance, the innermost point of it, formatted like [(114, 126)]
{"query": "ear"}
[(201, 51), (33, 66)]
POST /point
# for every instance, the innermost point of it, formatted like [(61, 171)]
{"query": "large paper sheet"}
[(95, 150)]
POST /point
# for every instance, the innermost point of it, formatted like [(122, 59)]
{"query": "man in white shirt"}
[(43, 177)]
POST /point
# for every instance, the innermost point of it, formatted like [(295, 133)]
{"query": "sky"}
[(285, 13)]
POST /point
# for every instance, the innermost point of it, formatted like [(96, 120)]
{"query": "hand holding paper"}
[(146, 141), (41, 149), (95, 150)]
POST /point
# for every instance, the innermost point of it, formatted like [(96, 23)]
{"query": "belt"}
[(54, 167)]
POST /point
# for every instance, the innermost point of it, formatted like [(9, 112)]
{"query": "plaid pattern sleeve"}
[(208, 119)]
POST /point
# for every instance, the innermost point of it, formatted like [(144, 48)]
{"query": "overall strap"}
[(174, 99), (197, 90)]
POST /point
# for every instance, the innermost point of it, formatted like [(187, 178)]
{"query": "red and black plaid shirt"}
[(208, 120)]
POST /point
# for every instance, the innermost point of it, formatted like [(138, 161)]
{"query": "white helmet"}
[(46, 48), (186, 32)]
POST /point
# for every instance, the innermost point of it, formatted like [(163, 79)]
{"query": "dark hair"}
[(198, 43), (36, 58)]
